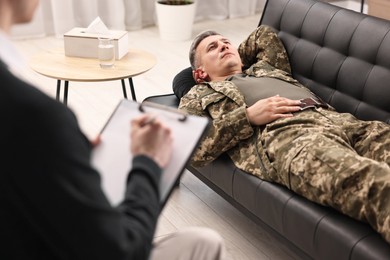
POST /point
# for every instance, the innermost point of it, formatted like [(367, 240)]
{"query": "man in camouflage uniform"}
[(328, 157)]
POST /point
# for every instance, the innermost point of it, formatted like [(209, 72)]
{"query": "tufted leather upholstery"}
[(344, 57)]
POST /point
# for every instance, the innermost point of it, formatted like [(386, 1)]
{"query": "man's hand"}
[(267, 110), (151, 138)]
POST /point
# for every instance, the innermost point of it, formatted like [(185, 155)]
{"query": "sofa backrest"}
[(341, 55)]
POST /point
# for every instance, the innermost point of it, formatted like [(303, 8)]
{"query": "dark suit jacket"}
[(52, 204)]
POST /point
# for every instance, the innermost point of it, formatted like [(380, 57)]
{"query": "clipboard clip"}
[(182, 117)]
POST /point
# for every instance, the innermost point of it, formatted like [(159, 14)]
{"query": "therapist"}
[(52, 204)]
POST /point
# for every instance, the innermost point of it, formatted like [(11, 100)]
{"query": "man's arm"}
[(229, 126), (263, 45)]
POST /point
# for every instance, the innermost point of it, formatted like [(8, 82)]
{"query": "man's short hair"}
[(200, 37)]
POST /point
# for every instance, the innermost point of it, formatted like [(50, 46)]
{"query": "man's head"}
[(16, 12), (213, 57), (200, 37)]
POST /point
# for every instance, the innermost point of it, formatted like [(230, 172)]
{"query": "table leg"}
[(132, 89), (58, 92), (362, 6), (58, 89), (124, 88), (66, 92)]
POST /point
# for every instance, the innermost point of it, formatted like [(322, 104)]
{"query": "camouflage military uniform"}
[(328, 157)]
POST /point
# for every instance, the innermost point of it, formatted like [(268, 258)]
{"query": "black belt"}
[(312, 103)]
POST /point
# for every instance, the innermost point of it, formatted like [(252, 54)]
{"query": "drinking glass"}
[(106, 53)]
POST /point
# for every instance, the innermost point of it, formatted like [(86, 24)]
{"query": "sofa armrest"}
[(167, 99)]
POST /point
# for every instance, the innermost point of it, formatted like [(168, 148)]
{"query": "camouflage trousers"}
[(335, 160)]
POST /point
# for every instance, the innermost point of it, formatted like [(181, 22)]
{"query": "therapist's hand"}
[(95, 142), (151, 139)]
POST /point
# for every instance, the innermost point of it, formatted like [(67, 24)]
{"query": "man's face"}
[(217, 57), (23, 10)]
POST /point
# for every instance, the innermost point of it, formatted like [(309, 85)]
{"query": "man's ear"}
[(199, 75)]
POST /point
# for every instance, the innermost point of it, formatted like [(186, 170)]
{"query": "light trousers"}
[(189, 244)]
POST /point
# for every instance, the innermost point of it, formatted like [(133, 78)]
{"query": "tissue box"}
[(78, 43)]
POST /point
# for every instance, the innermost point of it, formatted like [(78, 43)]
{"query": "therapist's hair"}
[(197, 40)]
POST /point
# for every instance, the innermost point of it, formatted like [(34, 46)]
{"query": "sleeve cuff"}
[(146, 164)]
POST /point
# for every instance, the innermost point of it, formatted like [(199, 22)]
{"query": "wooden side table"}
[(54, 64), (379, 8)]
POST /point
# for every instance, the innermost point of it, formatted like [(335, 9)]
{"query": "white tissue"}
[(97, 26)]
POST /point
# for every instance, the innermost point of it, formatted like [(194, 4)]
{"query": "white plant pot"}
[(175, 21)]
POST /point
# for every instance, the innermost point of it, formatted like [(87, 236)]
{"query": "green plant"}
[(175, 2)]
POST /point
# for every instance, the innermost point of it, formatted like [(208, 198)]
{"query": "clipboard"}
[(112, 157)]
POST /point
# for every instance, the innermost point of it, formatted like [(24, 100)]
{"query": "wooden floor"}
[(193, 203)]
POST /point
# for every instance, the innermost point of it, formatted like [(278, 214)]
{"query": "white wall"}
[(55, 17)]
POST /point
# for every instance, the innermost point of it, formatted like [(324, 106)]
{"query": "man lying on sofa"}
[(275, 128)]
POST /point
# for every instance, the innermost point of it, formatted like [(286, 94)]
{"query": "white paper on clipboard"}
[(112, 157)]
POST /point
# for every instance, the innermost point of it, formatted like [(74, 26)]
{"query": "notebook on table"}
[(112, 157)]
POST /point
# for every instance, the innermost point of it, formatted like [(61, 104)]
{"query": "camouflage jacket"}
[(263, 55)]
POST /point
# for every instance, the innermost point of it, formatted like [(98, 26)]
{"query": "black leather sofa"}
[(344, 57)]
